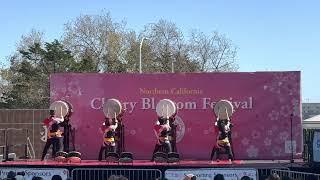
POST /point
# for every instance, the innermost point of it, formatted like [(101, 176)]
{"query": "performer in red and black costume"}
[(162, 130), (109, 140), (54, 137), (224, 141)]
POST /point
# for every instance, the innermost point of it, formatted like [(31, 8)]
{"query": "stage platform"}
[(147, 163)]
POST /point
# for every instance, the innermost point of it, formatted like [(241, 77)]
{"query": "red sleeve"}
[(103, 128), (47, 121), (216, 128), (157, 128)]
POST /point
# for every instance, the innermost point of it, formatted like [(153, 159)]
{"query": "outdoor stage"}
[(266, 123)]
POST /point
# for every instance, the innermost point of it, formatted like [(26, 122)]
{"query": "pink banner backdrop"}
[(264, 102)]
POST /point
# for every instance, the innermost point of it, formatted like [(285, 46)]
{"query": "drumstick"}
[(167, 114), (61, 111), (162, 110), (168, 123), (227, 113)]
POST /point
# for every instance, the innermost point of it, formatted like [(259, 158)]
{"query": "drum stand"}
[(68, 134), (125, 157), (174, 138), (291, 162), (120, 139)]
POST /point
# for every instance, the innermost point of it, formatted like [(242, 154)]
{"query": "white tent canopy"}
[(311, 123)]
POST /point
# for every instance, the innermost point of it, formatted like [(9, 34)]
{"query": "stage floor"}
[(148, 163)]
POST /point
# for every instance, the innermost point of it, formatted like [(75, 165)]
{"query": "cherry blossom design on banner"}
[(287, 87), (180, 128), (264, 103)]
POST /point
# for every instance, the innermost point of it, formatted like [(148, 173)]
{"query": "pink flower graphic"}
[(255, 134), (274, 115), (252, 151), (284, 136), (133, 132), (276, 151), (284, 84), (245, 141), (291, 88), (74, 88), (285, 111), (267, 142)]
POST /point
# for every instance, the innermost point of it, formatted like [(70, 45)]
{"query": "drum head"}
[(70, 107), (166, 108), (223, 109), (60, 159), (62, 154), (60, 108), (74, 154), (112, 108)]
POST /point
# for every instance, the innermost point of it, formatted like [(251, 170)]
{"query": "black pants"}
[(105, 149), (57, 146), (216, 150), (165, 144)]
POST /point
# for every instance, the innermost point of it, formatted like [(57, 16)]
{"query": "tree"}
[(110, 47), (99, 37), (96, 43), (169, 51), (28, 79), (33, 37), (201, 53), (85, 64), (213, 53), (3, 87)]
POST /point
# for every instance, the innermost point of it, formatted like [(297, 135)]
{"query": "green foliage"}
[(28, 82), (95, 43)]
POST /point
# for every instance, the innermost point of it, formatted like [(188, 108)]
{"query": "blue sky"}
[(271, 35)]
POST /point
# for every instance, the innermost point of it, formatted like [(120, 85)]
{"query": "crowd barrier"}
[(296, 174), (265, 172), (210, 173), (106, 173), (155, 174)]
